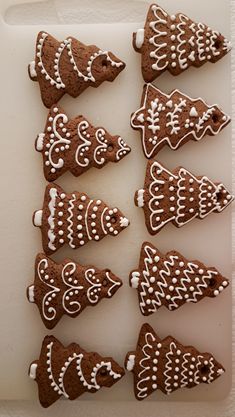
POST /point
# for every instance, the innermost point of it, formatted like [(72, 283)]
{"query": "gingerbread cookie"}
[(171, 280), (174, 119), (168, 365), (76, 145), (175, 43), (70, 67), (75, 219), (70, 371), (178, 197), (68, 288)]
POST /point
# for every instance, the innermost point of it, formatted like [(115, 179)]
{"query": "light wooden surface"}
[(114, 408)]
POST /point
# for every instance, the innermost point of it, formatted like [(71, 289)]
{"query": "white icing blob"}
[(193, 112), (39, 141), (135, 279), (139, 38), (33, 370), (130, 363), (37, 218), (31, 294), (124, 222), (140, 198), (32, 70)]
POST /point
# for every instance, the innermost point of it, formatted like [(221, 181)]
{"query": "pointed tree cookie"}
[(75, 219), (76, 145), (71, 371), (175, 43), (168, 365), (171, 280), (68, 288), (178, 197), (70, 67), (174, 119)]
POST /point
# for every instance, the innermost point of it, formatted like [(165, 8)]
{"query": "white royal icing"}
[(51, 206), (139, 38), (140, 198), (31, 294), (37, 219), (130, 363), (33, 370), (143, 374), (32, 70), (39, 142)]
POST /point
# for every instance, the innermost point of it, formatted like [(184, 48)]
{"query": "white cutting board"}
[(112, 327)]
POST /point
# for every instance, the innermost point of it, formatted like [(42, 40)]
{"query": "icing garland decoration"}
[(168, 365), (171, 280), (178, 197), (68, 288), (76, 145), (175, 43), (70, 67), (71, 371), (75, 219), (174, 119)]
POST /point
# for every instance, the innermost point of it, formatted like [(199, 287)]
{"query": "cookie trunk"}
[(130, 361), (138, 40), (139, 198)]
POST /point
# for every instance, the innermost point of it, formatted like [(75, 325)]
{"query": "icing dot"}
[(168, 297), (61, 240), (60, 223), (192, 366), (191, 190), (93, 216), (173, 48), (172, 27), (200, 271), (175, 384), (191, 181), (79, 227), (148, 301), (80, 206), (155, 361), (61, 232), (224, 283), (177, 369), (181, 264), (83, 198), (154, 386), (157, 353), (204, 378), (62, 196), (94, 231), (60, 213), (205, 362), (96, 237), (171, 288), (197, 280), (95, 208), (177, 360), (216, 292), (82, 242), (174, 280), (172, 198), (60, 204), (154, 376), (80, 217), (191, 210), (172, 209), (80, 235), (193, 359), (156, 259), (173, 64), (159, 345), (150, 290), (191, 199), (191, 289), (98, 202), (186, 296), (177, 272), (171, 188), (152, 280), (47, 163), (173, 37), (55, 109), (178, 352), (190, 373), (176, 377)]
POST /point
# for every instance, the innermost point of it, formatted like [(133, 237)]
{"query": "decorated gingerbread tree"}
[(174, 119), (68, 288), (70, 371), (70, 67), (178, 197), (75, 219), (171, 280), (175, 43), (76, 145), (168, 365)]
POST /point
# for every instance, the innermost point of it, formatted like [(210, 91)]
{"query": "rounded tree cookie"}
[(75, 145), (171, 280), (168, 365), (70, 371), (175, 43), (178, 197), (68, 288), (70, 67), (174, 119)]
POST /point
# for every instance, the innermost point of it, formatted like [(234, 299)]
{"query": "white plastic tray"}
[(113, 326)]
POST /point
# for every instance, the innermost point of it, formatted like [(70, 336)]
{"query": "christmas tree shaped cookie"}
[(174, 119), (171, 280), (76, 145), (70, 371), (178, 197), (168, 365), (70, 67), (75, 219), (68, 288), (175, 43)]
